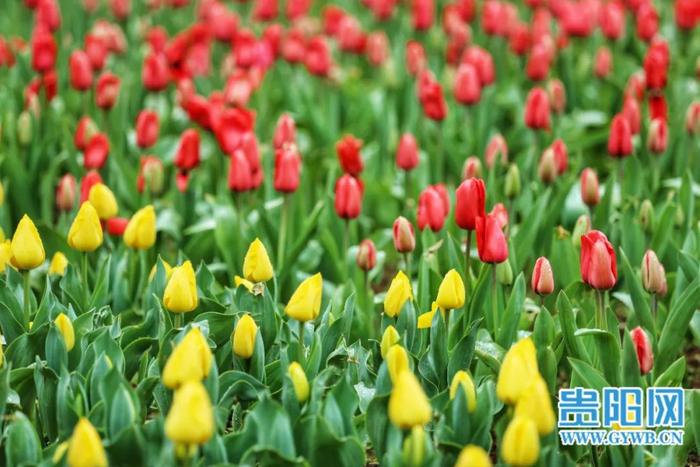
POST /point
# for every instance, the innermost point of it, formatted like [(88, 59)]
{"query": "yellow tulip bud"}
[(189, 361), (408, 404), (244, 337), (191, 417), (305, 303), (462, 378), (536, 404), (166, 266), (519, 366), (85, 446), (65, 327), (396, 362), (85, 233), (256, 265), (399, 292), (58, 264), (27, 249), (180, 294), (389, 338), (239, 281), (451, 293), (473, 456), (5, 255), (103, 200), (425, 320), (301, 384), (140, 232), (521, 444), (413, 452)]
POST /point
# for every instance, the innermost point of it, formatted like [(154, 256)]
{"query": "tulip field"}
[(350, 233)]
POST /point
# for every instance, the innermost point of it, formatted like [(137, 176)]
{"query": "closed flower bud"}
[(603, 62), (58, 264), (473, 456), (299, 381), (413, 452), (65, 327), (542, 277), (537, 109), (557, 95), (496, 151), (521, 443), (467, 86), (5, 255), (519, 365), (80, 71), (547, 168), (692, 119), (463, 380), (366, 257), (504, 273), (349, 156), (433, 208), (470, 200), (103, 200), (116, 226), (140, 233), (24, 128), (166, 266), (150, 175), (657, 139), (581, 228), (27, 249), (147, 129), (190, 360), (256, 265), (408, 404), (399, 293), (396, 362), (285, 131), (407, 152), (633, 114), (425, 320), (96, 152), (590, 193), (190, 420), (244, 337), (451, 294), (287, 168), (107, 90), (645, 353), (598, 262), (86, 184), (653, 274), (404, 237), (85, 446), (389, 338), (305, 303), (348, 197), (512, 184), (65, 193), (646, 215), (472, 168), (490, 240), (180, 295), (620, 138), (536, 404)]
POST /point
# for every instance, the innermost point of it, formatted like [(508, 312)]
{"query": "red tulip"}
[(538, 63), (542, 277), (377, 48), (285, 131), (547, 167), (404, 237), (636, 84), (155, 74), (84, 132), (431, 97), (653, 274), (612, 20), (472, 168), (687, 14), (187, 154), (348, 197), (96, 50), (657, 139), (490, 240), (561, 155), (297, 9), (287, 168), (557, 95), (150, 175), (43, 52), (423, 12), (433, 208), (467, 87), (147, 129), (692, 119), (519, 39), (332, 16), (656, 68), (240, 173), (658, 108), (89, 180), (107, 91), (500, 212), (496, 151), (470, 200), (647, 21), (632, 114), (482, 61), (366, 257), (265, 10), (48, 14), (603, 62), (318, 57), (645, 353), (65, 193), (407, 156), (415, 58), (620, 138), (590, 194), (598, 262), (96, 152), (537, 109), (80, 71), (7, 55), (350, 36), (116, 226), (349, 155), (233, 124)]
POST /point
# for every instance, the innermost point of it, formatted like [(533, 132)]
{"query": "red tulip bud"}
[(490, 240), (500, 212), (620, 138), (433, 208), (467, 87), (65, 193), (89, 180), (187, 154), (415, 58), (423, 12), (317, 58), (470, 200), (377, 48), (150, 175), (407, 152), (557, 95), (96, 152), (598, 262), (692, 119), (653, 274), (84, 132), (547, 168), (496, 151), (472, 168), (589, 187), (287, 168), (80, 71), (147, 129), (349, 155), (542, 277), (603, 62), (285, 131), (404, 237), (537, 109), (96, 50), (538, 63), (116, 226), (107, 91), (44, 51), (633, 114), (612, 20), (645, 353), (647, 21), (657, 139), (366, 257), (155, 74), (348, 197)]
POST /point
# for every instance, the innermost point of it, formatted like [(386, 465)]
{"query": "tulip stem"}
[(27, 290), (407, 263), (178, 320), (301, 343), (283, 231), (494, 299), (346, 244), (467, 261), (654, 305), (86, 286), (600, 315)]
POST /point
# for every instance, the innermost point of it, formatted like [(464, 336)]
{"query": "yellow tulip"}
[(85, 446), (536, 404), (239, 281), (521, 444), (399, 292), (166, 266), (65, 327), (85, 233), (396, 362), (519, 366), (305, 303), (473, 456), (462, 378), (5, 255), (299, 381), (103, 200), (425, 320), (58, 264), (27, 249), (451, 293), (413, 452), (189, 361), (180, 294), (408, 404), (244, 337), (140, 232), (191, 417), (256, 265), (389, 338)]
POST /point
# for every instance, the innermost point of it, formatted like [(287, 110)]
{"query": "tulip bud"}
[(65, 193), (116, 226), (496, 151), (646, 215), (349, 156), (542, 277), (404, 237), (147, 129), (5, 255), (603, 62), (535, 404), (470, 200), (150, 175), (633, 114), (96, 152), (399, 293), (433, 208), (299, 381), (451, 294), (504, 273), (348, 197), (243, 339), (462, 378), (107, 91), (103, 200), (547, 168), (620, 138), (653, 274), (589, 187), (85, 232), (521, 443), (80, 71), (140, 233), (512, 184), (557, 95), (425, 320), (407, 152), (472, 168), (519, 365), (657, 139), (537, 109), (366, 257), (287, 168), (581, 228), (65, 327), (285, 131), (166, 266), (598, 262), (180, 295), (645, 353), (27, 248), (305, 303), (389, 338), (256, 265), (408, 405), (473, 456), (190, 360), (490, 240), (190, 420), (85, 446), (467, 87), (24, 128), (396, 362), (413, 452), (692, 119), (58, 264)]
